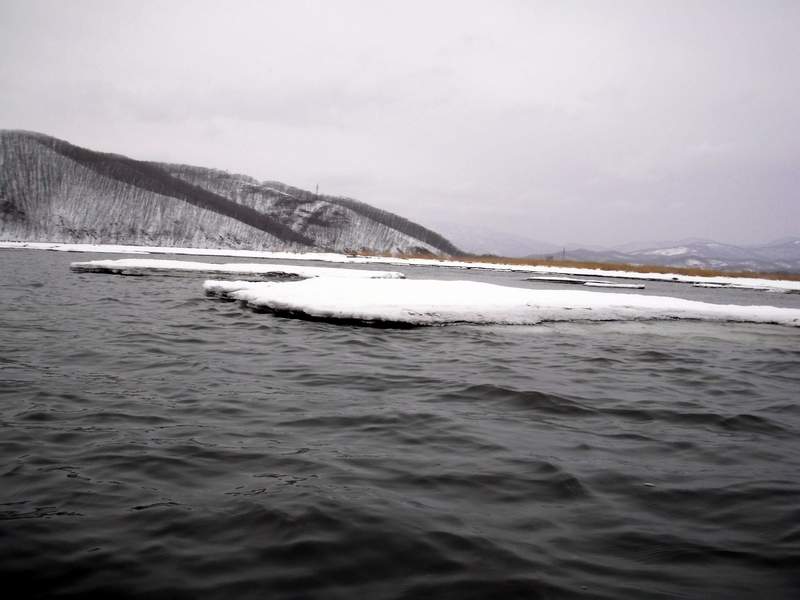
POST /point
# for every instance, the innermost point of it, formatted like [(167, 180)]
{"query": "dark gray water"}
[(155, 443)]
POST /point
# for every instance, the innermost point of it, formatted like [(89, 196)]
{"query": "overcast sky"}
[(598, 122)]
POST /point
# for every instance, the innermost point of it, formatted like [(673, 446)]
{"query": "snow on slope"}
[(331, 222), (668, 251), (45, 195), (140, 266), (423, 302), (53, 190)]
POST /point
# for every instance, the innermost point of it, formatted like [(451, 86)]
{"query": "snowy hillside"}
[(780, 256), (51, 190)]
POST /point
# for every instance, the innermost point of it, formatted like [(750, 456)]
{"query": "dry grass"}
[(572, 264)]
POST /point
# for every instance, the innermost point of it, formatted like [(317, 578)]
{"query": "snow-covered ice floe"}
[(142, 266), (772, 285), (761, 288), (608, 284), (586, 282), (424, 302), (557, 279)]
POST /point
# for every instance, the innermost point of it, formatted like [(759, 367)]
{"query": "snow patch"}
[(670, 251), (425, 302)]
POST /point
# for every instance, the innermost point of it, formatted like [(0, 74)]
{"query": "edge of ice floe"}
[(773, 285), (422, 302), (142, 266), (585, 282)]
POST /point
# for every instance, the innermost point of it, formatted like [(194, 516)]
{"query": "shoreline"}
[(755, 283)]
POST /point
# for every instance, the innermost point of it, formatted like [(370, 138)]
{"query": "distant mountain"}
[(780, 256), (51, 190), (479, 239), (786, 250), (639, 245)]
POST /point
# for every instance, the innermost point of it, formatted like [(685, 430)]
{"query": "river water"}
[(157, 443)]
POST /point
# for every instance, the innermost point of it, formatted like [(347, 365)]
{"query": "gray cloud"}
[(598, 122)]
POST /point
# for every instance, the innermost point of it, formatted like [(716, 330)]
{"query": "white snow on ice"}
[(145, 265), (425, 302), (778, 285), (586, 282), (556, 279), (606, 284)]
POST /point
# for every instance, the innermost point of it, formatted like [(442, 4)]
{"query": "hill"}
[(781, 256), (51, 190)]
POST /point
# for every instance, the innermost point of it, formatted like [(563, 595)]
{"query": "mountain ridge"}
[(778, 256)]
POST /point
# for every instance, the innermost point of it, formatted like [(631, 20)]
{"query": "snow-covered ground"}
[(123, 249), (773, 285), (425, 302), (139, 266)]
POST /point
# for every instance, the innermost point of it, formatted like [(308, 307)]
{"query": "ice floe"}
[(142, 266), (609, 284), (424, 302), (586, 282), (773, 285), (556, 279)]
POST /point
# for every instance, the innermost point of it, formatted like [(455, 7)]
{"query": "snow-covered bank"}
[(123, 249), (423, 302), (142, 266), (772, 285)]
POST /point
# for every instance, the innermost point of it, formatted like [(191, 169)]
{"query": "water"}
[(155, 443)]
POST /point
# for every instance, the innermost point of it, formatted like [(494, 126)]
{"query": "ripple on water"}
[(153, 443)]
